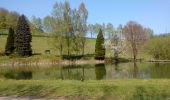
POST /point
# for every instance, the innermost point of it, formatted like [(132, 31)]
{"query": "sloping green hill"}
[(40, 44)]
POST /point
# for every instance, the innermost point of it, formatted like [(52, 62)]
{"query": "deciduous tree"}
[(136, 36), (82, 26)]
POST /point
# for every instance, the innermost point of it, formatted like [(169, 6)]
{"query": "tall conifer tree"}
[(23, 37), (9, 48), (99, 47)]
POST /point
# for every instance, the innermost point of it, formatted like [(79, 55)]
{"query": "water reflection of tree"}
[(18, 75), (100, 71), (135, 72), (72, 72), (160, 70), (116, 66)]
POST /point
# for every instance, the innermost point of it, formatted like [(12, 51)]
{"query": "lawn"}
[(40, 44), (130, 89)]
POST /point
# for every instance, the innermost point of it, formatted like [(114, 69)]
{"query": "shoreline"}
[(159, 61), (50, 63)]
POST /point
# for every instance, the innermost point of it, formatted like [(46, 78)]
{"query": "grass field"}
[(40, 44), (134, 89)]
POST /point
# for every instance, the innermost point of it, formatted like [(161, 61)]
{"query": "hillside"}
[(40, 44)]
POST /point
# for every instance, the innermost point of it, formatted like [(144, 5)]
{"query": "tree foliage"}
[(82, 27), (37, 22), (8, 19), (99, 47), (158, 48), (9, 48), (23, 37), (117, 43)]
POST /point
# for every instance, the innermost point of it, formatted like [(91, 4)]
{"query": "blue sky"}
[(150, 13)]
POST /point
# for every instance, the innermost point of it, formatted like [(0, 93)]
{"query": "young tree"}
[(77, 36), (9, 48), (58, 26), (83, 15), (136, 36), (23, 37), (68, 26), (117, 44), (99, 47)]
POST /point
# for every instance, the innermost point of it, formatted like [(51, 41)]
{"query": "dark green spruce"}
[(99, 47), (9, 48), (23, 38)]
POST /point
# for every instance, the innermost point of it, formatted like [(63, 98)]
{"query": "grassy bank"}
[(137, 89)]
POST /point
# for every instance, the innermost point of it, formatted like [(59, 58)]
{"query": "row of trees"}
[(131, 37)]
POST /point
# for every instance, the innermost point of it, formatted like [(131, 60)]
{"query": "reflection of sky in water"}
[(89, 72)]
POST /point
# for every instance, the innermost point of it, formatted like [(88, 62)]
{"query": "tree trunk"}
[(134, 58), (83, 50), (91, 34), (61, 50), (135, 74)]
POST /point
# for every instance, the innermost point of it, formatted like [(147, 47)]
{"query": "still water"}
[(89, 72)]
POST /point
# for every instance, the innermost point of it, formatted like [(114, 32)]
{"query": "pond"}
[(89, 72)]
